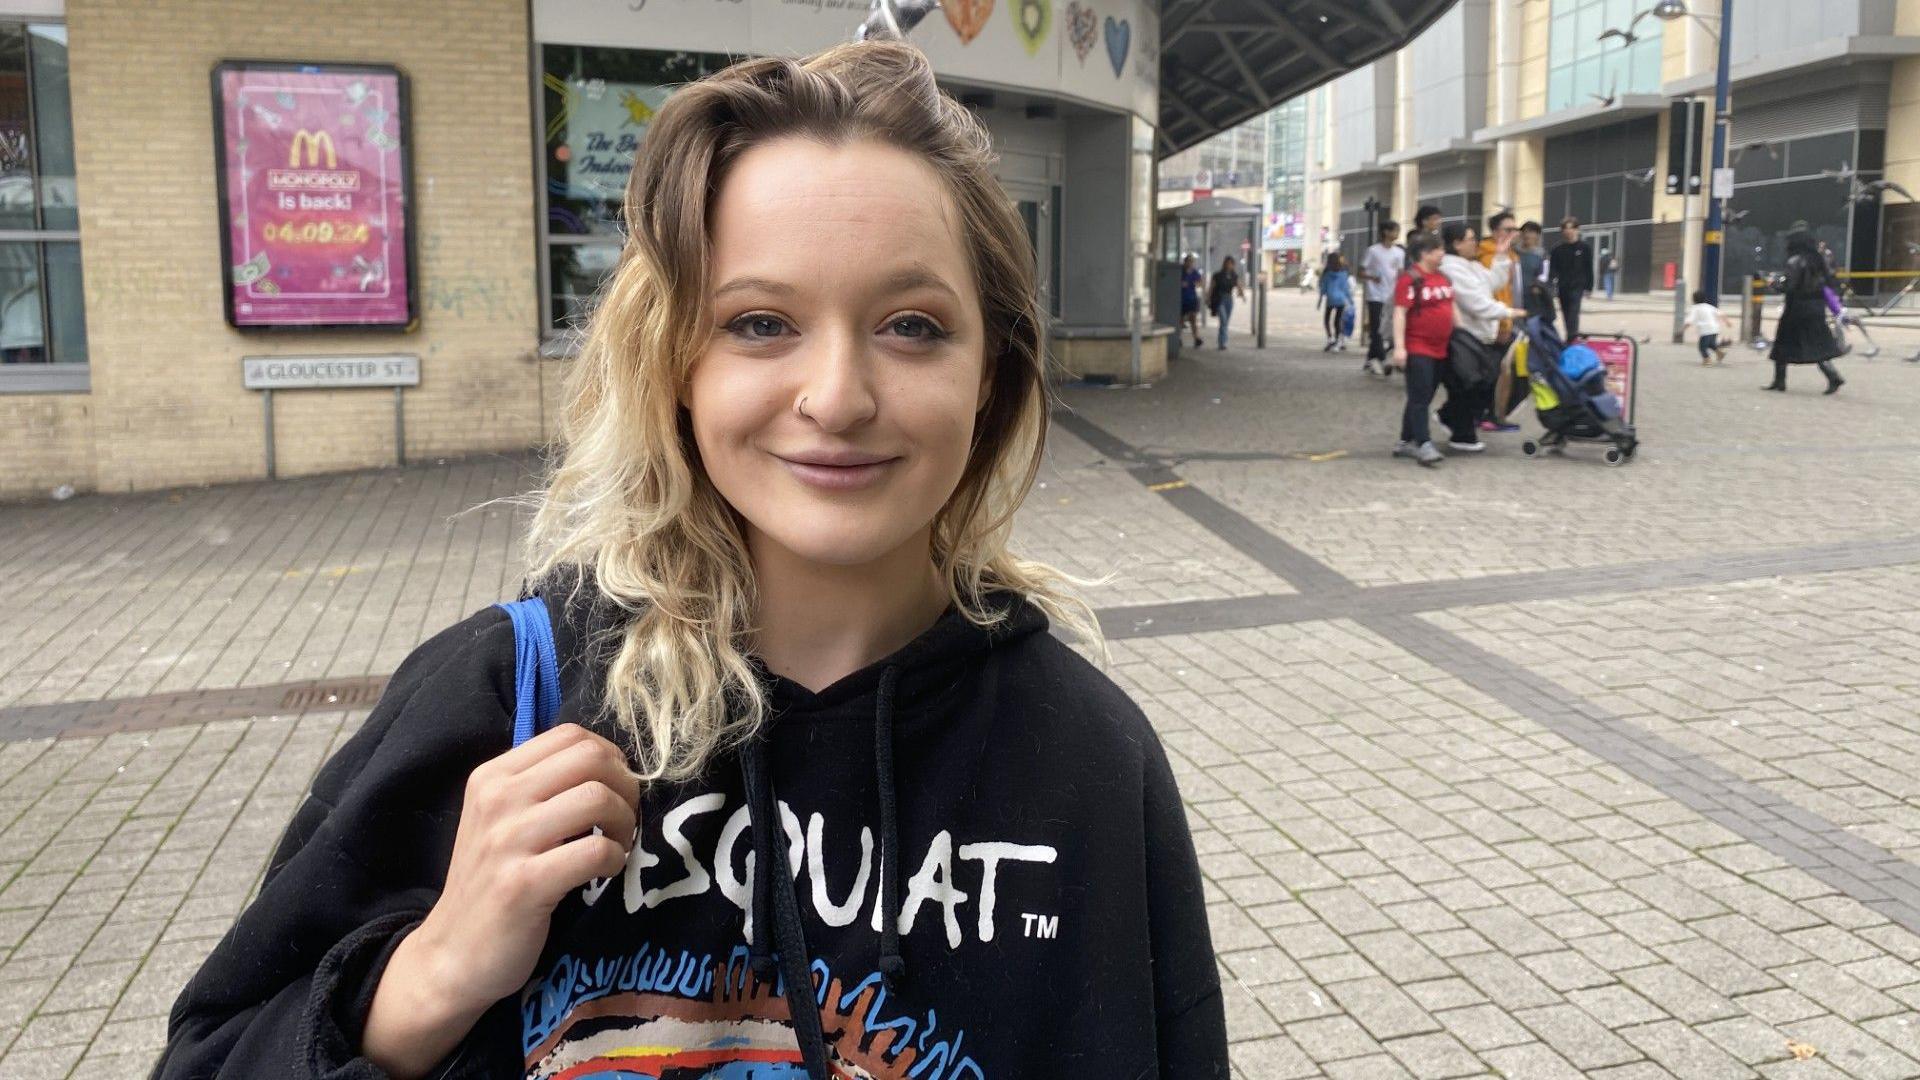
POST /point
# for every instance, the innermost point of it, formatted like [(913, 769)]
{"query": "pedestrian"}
[(1380, 270), (1570, 267), (1220, 294), (1427, 220), (1705, 320), (1191, 279), (1420, 333), (1497, 256), (816, 743), (1536, 299), (1803, 335), (1612, 269), (1474, 354), (1336, 296)]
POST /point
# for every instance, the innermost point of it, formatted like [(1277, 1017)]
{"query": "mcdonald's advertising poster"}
[(314, 194)]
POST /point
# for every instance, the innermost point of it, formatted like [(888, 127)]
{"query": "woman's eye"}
[(917, 328), (757, 326)]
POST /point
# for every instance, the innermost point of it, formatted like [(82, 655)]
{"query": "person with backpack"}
[(1220, 293), (1474, 351), (815, 775), (1336, 296), (1421, 331)]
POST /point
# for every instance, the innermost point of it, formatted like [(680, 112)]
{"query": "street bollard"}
[(1135, 361), (1679, 310)]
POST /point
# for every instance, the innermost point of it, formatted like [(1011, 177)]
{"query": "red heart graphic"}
[(967, 17)]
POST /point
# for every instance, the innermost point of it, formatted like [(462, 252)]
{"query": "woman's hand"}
[(537, 822), (1399, 357)]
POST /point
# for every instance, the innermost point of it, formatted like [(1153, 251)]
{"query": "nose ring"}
[(802, 407)]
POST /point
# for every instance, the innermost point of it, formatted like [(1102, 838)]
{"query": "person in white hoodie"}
[(1473, 354)]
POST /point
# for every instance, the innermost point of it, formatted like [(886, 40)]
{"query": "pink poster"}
[(313, 184), (1618, 355)]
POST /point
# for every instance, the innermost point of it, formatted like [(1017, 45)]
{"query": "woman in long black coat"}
[(1803, 336)]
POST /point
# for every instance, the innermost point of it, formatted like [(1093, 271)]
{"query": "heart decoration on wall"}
[(967, 17), (1119, 38), (1031, 20), (1083, 29)]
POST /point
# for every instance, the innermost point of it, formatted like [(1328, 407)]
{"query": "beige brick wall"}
[(167, 407), (48, 441)]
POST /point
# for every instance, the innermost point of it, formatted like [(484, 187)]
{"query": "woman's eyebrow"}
[(906, 279), (753, 284)]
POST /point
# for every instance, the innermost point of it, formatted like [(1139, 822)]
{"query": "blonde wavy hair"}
[(630, 513)]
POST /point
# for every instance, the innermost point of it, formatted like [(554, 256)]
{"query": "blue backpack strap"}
[(536, 670)]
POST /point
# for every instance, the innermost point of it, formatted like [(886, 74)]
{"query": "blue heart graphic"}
[(1119, 37)]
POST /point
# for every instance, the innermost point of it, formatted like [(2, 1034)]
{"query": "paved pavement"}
[(1517, 767)]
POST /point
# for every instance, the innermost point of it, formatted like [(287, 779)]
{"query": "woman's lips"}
[(838, 477)]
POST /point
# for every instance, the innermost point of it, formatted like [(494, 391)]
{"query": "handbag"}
[(536, 668)]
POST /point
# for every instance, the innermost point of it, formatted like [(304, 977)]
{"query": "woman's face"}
[(1468, 245), (836, 400)]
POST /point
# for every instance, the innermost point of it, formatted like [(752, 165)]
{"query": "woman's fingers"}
[(584, 759), (573, 864), (578, 811)]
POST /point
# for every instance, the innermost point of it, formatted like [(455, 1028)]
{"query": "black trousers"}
[(1336, 316), (1826, 368), (1570, 311), (1460, 413), (1376, 348)]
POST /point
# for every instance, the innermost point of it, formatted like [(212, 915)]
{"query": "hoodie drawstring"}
[(893, 966), (774, 902), (776, 908)]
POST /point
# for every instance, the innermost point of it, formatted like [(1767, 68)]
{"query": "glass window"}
[(42, 305), (596, 105)]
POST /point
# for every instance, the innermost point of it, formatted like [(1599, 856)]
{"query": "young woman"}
[(792, 635), (1336, 295), (1191, 278), (1220, 294), (1421, 335)]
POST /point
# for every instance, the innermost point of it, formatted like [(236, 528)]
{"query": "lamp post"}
[(1671, 11)]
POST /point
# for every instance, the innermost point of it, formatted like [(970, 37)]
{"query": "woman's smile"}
[(837, 470)]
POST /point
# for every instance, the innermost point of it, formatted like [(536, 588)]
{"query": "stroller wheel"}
[(1529, 448), (1614, 456)]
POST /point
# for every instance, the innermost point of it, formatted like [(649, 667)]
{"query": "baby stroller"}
[(1572, 400)]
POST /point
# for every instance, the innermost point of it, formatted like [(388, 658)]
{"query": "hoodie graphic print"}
[(988, 876)]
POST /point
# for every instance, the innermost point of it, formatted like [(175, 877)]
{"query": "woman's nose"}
[(837, 392)]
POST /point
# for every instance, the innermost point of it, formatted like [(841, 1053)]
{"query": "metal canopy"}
[(1226, 61)]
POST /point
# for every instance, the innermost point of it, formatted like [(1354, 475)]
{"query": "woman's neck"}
[(819, 623)]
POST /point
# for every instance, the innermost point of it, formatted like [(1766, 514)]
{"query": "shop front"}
[(1069, 120)]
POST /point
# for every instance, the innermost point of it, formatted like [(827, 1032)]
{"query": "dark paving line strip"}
[(1301, 570), (1860, 868), (71, 719), (1248, 612)]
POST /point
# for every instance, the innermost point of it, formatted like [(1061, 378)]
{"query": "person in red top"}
[(1425, 299)]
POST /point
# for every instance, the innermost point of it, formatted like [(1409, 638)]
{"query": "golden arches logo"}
[(314, 142)]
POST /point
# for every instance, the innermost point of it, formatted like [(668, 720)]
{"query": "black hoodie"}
[(1050, 915)]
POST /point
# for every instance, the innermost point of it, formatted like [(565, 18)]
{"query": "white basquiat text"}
[(947, 876)]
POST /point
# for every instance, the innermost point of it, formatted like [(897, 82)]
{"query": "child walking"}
[(1421, 334), (1336, 296), (1705, 320)]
